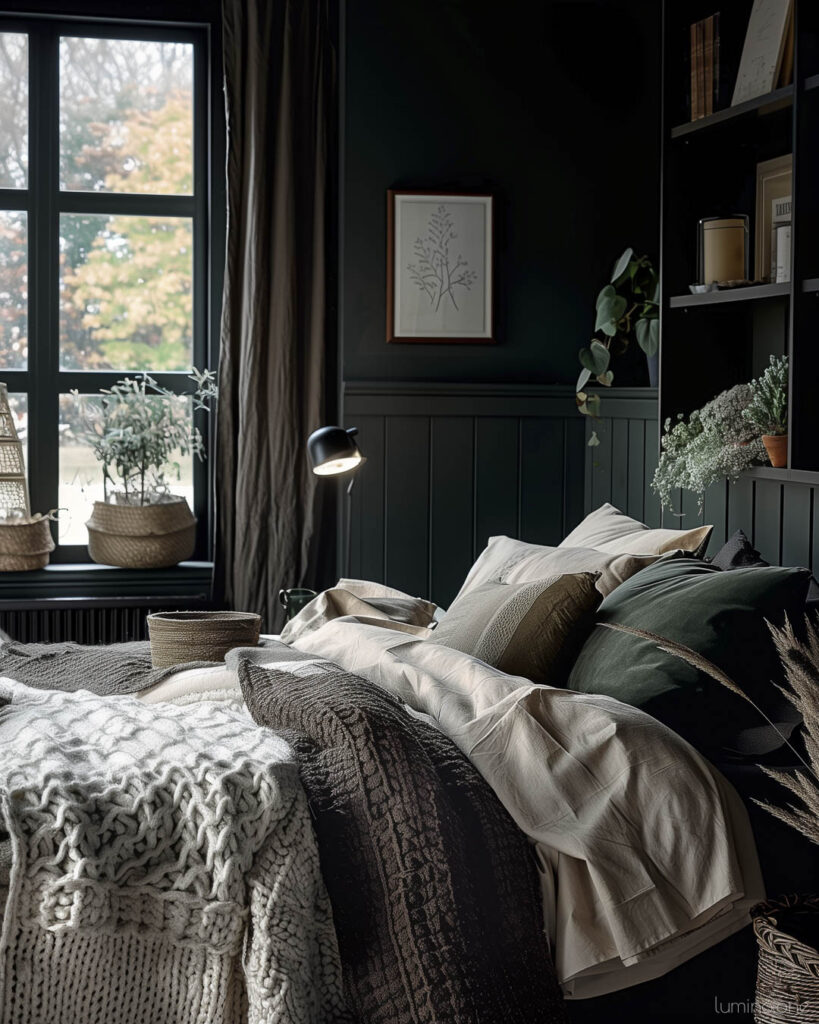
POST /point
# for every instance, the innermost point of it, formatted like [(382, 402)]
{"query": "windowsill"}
[(106, 584)]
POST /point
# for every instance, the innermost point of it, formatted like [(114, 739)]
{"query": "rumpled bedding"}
[(646, 853), (434, 889)]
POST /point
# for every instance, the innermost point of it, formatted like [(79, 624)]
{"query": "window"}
[(104, 238)]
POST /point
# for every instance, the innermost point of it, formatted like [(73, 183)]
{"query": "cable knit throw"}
[(164, 868)]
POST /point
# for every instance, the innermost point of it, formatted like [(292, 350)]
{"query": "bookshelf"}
[(714, 340)]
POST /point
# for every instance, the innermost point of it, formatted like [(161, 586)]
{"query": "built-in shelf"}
[(810, 284), (785, 476), (753, 293), (812, 83), (766, 104)]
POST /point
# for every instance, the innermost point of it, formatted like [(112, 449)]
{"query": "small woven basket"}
[(141, 536), (787, 980), (25, 543), (177, 637)]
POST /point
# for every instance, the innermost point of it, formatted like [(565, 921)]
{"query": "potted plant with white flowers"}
[(767, 411), (137, 431)]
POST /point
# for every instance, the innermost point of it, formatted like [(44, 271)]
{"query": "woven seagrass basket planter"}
[(177, 637), (787, 981), (142, 536), (25, 544)]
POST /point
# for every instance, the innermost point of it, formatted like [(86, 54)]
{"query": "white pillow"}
[(609, 529), (506, 560)]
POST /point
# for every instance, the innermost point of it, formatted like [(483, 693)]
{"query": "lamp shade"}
[(333, 450)]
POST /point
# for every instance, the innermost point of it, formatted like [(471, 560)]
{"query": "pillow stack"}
[(527, 609)]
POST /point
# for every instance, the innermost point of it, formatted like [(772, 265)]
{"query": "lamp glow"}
[(333, 451)]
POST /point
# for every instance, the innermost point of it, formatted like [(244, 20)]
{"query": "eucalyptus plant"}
[(627, 308), (137, 429), (767, 411)]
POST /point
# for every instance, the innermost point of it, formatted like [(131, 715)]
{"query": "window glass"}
[(81, 473), (126, 292), (13, 290), (126, 116), (13, 110)]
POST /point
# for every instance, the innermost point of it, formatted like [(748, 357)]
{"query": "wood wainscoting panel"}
[(450, 465)]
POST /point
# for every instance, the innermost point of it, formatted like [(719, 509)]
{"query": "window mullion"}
[(43, 266)]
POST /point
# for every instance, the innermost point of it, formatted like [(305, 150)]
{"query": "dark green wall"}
[(554, 107)]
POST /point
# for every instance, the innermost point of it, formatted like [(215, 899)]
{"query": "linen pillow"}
[(609, 529), (365, 600), (738, 552), (721, 616), (526, 629), (506, 560)]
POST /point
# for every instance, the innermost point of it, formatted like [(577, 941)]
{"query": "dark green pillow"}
[(719, 614)]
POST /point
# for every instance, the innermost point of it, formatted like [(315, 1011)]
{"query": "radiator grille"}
[(85, 625)]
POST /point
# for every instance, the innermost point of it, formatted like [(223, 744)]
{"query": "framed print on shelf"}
[(773, 181), (440, 267)]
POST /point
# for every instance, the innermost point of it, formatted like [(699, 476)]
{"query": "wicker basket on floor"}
[(177, 637), (787, 982), (25, 543)]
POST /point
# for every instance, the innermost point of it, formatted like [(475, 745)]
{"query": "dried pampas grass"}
[(800, 659)]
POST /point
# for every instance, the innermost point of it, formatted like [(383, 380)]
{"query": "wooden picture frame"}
[(440, 267), (774, 180)]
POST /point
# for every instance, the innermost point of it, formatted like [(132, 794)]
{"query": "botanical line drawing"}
[(435, 271)]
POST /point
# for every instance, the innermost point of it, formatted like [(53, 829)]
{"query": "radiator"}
[(94, 624)]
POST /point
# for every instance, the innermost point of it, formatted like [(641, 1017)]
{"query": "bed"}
[(490, 847)]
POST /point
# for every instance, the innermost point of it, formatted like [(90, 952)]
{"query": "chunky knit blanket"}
[(164, 868), (434, 889)]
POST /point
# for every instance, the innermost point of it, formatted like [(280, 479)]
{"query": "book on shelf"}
[(704, 66), (781, 213), (708, 64)]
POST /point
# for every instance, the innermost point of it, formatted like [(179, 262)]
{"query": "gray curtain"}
[(279, 72)]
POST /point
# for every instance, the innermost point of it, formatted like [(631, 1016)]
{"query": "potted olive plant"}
[(767, 411), (136, 432), (627, 307)]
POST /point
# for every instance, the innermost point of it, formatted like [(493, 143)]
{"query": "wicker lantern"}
[(13, 486), (25, 540)]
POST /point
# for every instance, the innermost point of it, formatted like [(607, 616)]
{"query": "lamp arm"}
[(348, 547)]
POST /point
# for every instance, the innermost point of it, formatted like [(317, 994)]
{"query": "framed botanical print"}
[(440, 267)]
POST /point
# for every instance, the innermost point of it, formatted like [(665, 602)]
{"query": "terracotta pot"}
[(776, 445), (142, 536)]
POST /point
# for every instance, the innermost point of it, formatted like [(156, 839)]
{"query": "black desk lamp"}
[(333, 452)]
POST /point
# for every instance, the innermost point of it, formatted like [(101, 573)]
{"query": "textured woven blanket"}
[(164, 868), (434, 889), (116, 669)]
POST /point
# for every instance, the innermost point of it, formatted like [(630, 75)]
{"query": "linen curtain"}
[(279, 78)]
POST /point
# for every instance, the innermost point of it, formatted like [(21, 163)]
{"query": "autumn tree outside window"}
[(104, 236)]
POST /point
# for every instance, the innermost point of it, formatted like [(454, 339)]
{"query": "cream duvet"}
[(645, 851)]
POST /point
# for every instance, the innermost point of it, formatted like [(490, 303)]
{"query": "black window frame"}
[(43, 202)]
